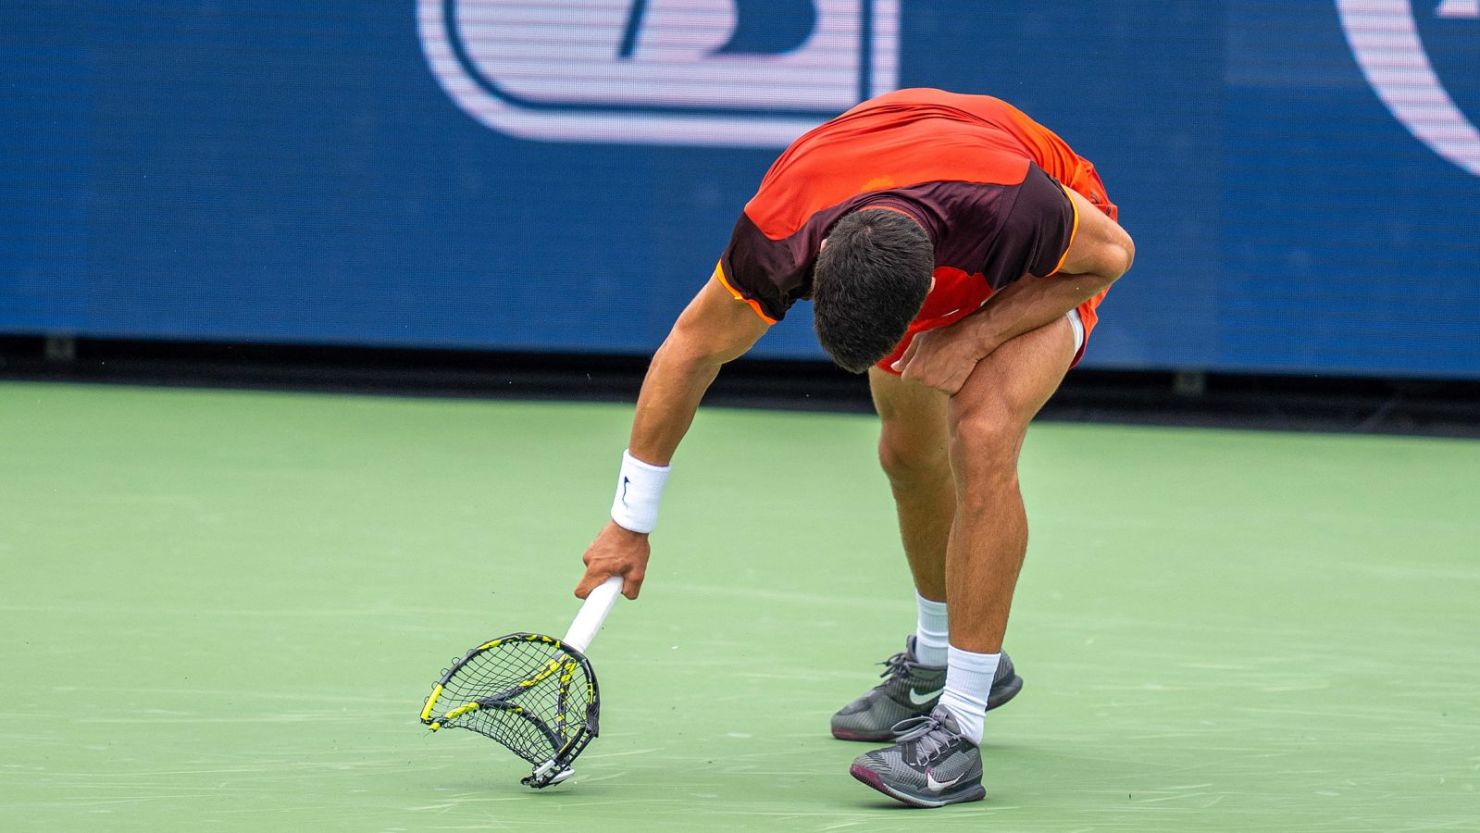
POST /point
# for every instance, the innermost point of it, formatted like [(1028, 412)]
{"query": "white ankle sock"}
[(932, 637), (968, 683)]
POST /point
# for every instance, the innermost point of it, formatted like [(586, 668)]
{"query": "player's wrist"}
[(624, 532), (639, 491)]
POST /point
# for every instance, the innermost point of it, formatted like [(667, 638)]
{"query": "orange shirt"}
[(981, 177)]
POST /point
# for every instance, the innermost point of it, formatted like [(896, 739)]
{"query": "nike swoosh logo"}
[(936, 786), (625, 481), (921, 699)]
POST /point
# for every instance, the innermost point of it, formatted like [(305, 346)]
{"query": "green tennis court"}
[(222, 610)]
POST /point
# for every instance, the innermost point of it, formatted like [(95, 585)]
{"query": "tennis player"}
[(956, 251)]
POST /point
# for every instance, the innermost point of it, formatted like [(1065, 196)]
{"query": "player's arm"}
[(714, 329), (1099, 252)]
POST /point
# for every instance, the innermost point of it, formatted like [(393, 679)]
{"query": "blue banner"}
[(1302, 179)]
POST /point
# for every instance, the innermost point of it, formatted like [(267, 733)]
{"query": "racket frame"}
[(557, 767)]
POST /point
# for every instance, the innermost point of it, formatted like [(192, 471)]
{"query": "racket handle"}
[(593, 613)]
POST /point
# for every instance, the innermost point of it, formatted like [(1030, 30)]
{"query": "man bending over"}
[(956, 251)]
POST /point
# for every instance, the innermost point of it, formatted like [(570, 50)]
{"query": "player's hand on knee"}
[(615, 552), (939, 359)]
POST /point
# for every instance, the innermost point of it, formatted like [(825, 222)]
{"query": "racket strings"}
[(529, 695)]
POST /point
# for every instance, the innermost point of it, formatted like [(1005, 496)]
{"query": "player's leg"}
[(989, 419), (914, 451), (939, 760)]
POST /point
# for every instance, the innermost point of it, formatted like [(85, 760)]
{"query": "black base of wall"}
[(1305, 403)]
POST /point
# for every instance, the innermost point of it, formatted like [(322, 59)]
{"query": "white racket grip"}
[(593, 613)]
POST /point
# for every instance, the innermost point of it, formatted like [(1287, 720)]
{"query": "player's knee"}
[(912, 460), (985, 441)]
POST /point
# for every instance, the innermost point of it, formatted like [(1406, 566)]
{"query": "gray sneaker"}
[(930, 766), (909, 690)]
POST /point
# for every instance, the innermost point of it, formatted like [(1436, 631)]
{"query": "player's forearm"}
[(675, 384), (1031, 303)]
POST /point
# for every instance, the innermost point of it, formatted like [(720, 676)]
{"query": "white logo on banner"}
[(739, 73), (1384, 37)]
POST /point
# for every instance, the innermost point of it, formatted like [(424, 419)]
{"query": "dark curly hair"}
[(869, 283)]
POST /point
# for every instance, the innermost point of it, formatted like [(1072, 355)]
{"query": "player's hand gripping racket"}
[(534, 694)]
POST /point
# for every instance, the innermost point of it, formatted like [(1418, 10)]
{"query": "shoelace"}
[(897, 666), (930, 736)]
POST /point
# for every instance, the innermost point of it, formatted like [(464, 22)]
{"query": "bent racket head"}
[(534, 694)]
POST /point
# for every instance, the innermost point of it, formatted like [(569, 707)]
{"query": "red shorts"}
[(957, 294)]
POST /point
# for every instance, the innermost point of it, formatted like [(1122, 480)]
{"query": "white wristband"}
[(639, 489)]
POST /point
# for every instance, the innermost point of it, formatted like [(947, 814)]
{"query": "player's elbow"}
[(686, 349), (1120, 254)]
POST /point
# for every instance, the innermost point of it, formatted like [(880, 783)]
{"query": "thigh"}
[(913, 415), (900, 401), (1008, 387)]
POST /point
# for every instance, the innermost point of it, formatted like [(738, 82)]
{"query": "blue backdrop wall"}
[(1302, 179)]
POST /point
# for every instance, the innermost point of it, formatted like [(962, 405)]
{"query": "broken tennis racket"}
[(534, 694)]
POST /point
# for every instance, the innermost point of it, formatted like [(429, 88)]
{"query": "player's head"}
[(871, 279)]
